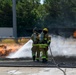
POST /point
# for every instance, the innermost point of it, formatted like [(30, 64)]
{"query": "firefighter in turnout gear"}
[(35, 48), (44, 43)]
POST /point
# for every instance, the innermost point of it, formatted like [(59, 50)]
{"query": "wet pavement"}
[(30, 63), (62, 62), (28, 67)]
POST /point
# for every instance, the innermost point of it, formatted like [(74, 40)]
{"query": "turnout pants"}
[(35, 51), (44, 49)]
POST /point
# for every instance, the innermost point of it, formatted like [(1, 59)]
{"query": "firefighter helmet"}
[(45, 29)]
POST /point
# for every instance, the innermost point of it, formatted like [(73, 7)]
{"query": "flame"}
[(74, 34), (7, 49)]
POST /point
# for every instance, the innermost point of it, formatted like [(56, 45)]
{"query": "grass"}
[(12, 41)]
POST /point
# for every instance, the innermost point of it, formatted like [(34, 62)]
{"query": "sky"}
[(41, 1)]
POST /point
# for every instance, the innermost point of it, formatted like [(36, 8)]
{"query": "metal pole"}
[(14, 19)]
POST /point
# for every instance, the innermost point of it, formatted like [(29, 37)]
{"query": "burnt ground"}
[(62, 62)]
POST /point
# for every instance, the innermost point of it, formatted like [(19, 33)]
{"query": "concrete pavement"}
[(35, 71)]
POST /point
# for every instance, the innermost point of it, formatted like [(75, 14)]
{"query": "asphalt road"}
[(60, 61)]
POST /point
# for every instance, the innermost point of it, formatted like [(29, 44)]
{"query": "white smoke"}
[(60, 47), (63, 46), (25, 51)]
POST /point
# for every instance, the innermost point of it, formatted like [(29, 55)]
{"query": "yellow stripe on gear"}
[(43, 45), (45, 38), (44, 57)]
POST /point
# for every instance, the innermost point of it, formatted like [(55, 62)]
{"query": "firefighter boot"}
[(44, 60), (34, 58)]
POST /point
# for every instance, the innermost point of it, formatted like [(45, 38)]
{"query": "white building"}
[(6, 32)]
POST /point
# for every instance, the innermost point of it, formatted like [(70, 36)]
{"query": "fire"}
[(74, 34), (5, 50)]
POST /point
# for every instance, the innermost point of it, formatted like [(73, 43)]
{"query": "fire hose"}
[(57, 65)]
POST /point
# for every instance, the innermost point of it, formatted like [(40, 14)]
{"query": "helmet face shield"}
[(45, 32)]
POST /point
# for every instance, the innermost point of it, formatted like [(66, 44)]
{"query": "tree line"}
[(31, 13)]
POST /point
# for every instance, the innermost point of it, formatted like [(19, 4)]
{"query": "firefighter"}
[(44, 43), (35, 48)]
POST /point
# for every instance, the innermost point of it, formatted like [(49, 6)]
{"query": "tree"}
[(5, 13), (27, 15), (61, 13)]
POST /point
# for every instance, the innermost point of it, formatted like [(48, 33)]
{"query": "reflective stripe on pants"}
[(44, 49)]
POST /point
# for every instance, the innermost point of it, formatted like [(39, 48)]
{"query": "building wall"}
[(6, 32)]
